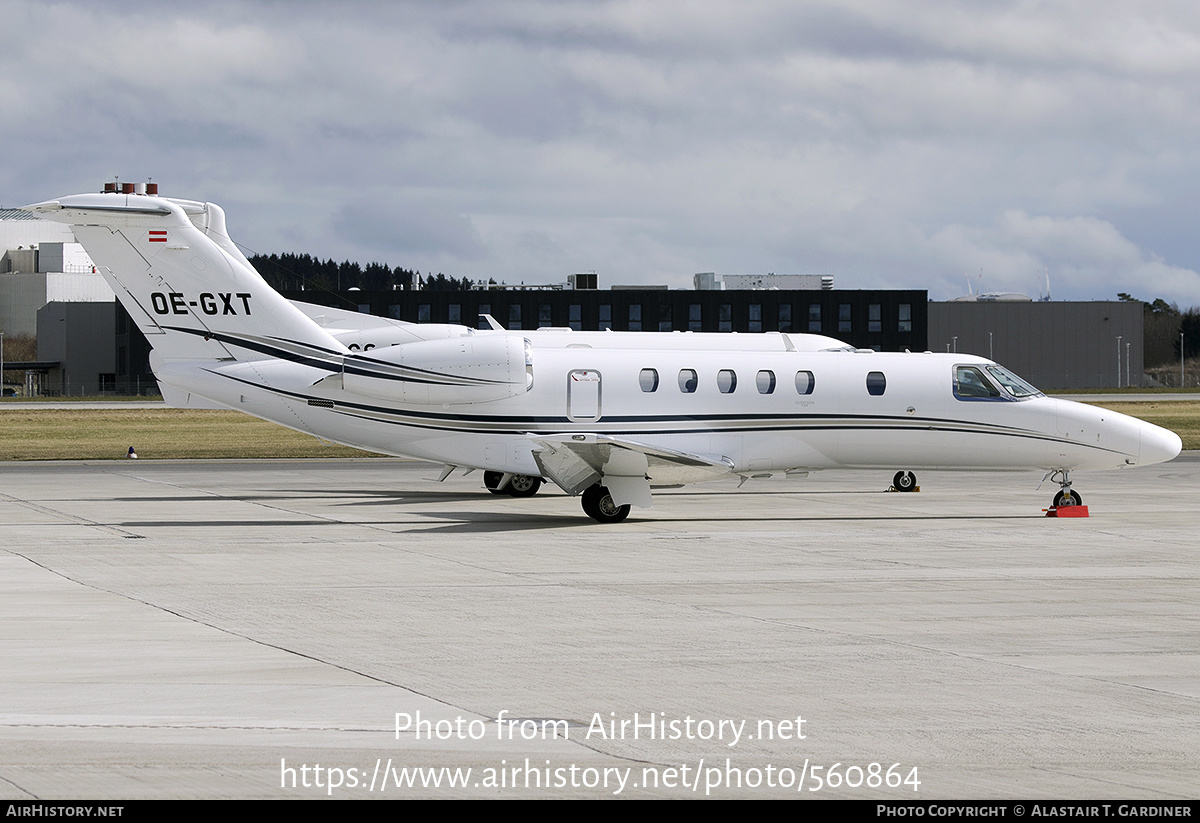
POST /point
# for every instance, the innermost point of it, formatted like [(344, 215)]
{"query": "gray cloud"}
[(887, 143)]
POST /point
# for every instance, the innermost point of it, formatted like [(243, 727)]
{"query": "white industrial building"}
[(41, 263)]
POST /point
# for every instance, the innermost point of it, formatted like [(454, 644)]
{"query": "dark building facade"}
[(885, 320), (1052, 345)]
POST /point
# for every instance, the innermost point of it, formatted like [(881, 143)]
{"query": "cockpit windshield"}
[(990, 382), (1011, 383)]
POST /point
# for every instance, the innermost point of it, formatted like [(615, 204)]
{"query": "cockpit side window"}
[(971, 384)]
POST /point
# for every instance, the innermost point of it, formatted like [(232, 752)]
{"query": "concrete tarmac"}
[(258, 630)]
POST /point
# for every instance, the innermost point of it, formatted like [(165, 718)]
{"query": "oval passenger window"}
[(876, 383)]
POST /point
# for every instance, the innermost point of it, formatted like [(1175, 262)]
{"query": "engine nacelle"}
[(473, 369)]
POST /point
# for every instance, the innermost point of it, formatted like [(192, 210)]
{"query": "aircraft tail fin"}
[(185, 284)]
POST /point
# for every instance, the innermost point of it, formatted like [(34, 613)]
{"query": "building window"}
[(766, 382), (575, 316), (649, 380), (905, 317), (804, 382), (544, 316), (422, 312), (726, 381), (876, 383), (785, 317), (725, 317), (604, 316), (396, 311), (484, 308), (455, 313), (814, 318), (688, 381), (843, 317), (874, 317), (635, 317), (514, 316), (694, 323), (664, 317), (756, 317)]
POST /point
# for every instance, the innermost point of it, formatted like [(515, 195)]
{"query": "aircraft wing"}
[(343, 320), (626, 467)]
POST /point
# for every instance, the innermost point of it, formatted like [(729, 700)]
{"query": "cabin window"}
[(874, 317), (814, 318), (649, 380), (765, 382), (804, 382), (970, 384), (876, 383), (726, 381), (905, 317), (688, 381)]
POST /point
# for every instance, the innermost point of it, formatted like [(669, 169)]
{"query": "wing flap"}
[(576, 461)]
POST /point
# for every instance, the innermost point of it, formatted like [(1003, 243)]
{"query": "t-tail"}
[(185, 284)]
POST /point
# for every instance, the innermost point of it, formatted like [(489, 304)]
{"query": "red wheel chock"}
[(1067, 511)]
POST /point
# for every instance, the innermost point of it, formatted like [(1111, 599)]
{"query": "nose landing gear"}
[(1067, 503)]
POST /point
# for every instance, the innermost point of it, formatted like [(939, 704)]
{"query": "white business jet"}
[(605, 415)]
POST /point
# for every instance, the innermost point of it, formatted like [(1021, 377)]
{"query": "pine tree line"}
[(293, 272)]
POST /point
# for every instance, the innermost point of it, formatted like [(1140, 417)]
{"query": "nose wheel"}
[(904, 482), (1067, 497), (1068, 502)]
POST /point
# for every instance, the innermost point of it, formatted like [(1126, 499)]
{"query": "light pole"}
[(990, 355), (1127, 345), (1118, 361), (1, 365), (1181, 360), (956, 344)]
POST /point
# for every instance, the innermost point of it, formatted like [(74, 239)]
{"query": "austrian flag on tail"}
[(158, 235)]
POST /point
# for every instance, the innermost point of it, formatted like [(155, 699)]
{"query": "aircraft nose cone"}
[(1158, 445)]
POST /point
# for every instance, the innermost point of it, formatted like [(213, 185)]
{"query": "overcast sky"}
[(890, 144)]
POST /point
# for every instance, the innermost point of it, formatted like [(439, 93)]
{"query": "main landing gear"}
[(518, 485), (904, 482), (598, 505)]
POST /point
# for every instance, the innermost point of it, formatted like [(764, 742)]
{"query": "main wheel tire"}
[(491, 480), (1067, 497), (523, 485), (598, 505), (904, 482)]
